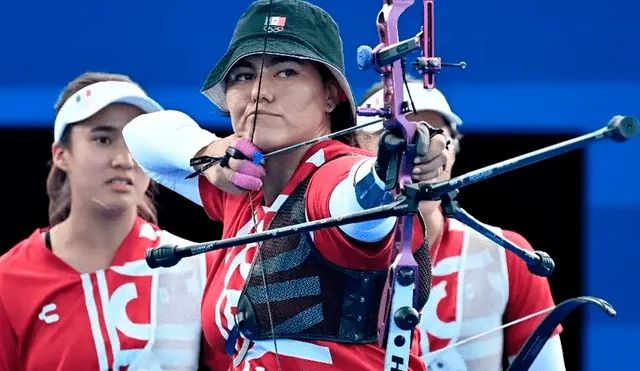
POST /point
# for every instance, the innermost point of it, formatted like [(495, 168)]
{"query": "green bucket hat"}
[(295, 29)]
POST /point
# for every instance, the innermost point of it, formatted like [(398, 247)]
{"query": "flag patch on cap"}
[(274, 24), (87, 94), (275, 21)]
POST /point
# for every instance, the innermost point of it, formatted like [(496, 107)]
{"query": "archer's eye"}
[(244, 76), (287, 73), (102, 140)]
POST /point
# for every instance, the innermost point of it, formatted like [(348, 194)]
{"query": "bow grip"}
[(389, 158)]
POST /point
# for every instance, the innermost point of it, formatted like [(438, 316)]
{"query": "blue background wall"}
[(561, 66)]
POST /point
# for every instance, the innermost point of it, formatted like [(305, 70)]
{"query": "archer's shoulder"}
[(23, 247), (517, 239), (333, 148), (21, 257)]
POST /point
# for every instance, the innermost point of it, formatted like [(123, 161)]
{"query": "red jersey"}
[(127, 316), (477, 286), (225, 282)]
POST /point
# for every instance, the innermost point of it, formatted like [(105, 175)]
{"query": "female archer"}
[(296, 303), (78, 295)]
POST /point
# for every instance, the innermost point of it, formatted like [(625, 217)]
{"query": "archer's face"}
[(292, 106)]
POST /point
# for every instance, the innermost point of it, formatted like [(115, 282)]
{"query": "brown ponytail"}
[(59, 195), (57, 183)]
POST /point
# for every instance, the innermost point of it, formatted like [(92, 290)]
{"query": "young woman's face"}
[(98, 164), (293, 106)]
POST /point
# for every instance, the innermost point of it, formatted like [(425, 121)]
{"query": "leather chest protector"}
[(307, 296)]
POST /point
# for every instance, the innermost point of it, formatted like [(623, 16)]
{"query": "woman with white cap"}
[(477, 285), (78, 295), (307, 302)]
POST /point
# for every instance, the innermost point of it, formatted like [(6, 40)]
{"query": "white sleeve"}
[(163, 143), (343, 201), (550, 358)]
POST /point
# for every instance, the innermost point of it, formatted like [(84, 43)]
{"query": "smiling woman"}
[(92, 303)]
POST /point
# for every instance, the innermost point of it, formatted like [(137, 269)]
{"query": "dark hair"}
[(341, 117), (57, 184), (379, 85)]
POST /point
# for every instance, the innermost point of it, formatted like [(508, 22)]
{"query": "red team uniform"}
[(477, 286), (226, 282), (127, 316)]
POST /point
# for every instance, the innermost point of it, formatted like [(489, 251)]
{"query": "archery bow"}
[(619, 129), (398, 313), (397, 316)]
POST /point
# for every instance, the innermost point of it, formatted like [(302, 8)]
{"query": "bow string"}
[(251, 203)]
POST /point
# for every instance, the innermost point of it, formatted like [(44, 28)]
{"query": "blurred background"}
[(538, 73)]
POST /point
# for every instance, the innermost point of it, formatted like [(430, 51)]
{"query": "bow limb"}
[(543, 332), (545, 329), (398, 316)]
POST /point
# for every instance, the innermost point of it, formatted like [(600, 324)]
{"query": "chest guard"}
[(309, 297)]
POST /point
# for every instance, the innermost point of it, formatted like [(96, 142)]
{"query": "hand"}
[(239, 176), (431, 153), (431, 159), (432, 164)]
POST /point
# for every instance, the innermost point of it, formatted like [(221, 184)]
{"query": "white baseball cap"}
[(91, 99), (423, 99)]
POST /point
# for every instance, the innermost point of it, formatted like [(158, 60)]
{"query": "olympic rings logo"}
[(273, 29)]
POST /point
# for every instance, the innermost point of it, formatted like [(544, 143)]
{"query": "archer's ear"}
[(331, 95), (59, 156)]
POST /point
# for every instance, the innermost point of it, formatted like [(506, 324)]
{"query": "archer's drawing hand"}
[(237, 174)]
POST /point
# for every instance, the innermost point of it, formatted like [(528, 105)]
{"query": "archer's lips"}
[(260, 112), (121, 181)]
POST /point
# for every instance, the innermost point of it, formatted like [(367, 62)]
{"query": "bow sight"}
[(427, 64)]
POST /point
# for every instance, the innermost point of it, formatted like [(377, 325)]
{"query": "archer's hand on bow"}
[(236, 173), (431, 155), (431, 160)]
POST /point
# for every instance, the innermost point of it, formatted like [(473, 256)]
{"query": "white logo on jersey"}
[(113, 307), (147, 231), (47, 314)]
